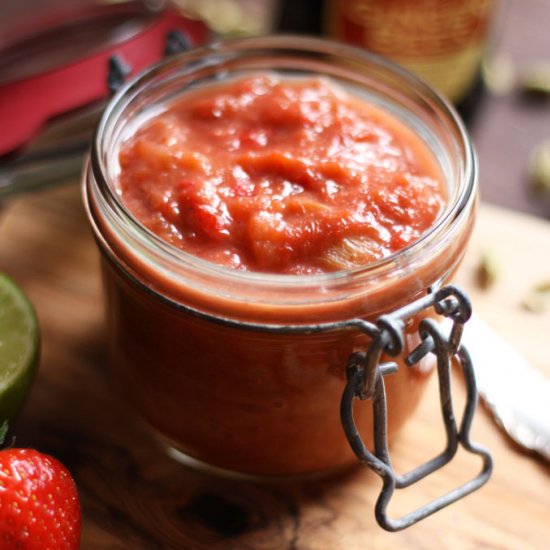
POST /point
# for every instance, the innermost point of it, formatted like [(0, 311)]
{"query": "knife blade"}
[(517, 394)]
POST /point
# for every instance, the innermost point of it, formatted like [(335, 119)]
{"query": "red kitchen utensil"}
[(34, 89)]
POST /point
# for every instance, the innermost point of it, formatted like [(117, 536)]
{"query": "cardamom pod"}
[(535, 81), (539, 168), (537, 299), (488, 269), (498, 74)]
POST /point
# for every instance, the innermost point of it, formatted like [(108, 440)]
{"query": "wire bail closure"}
[(365, 380)]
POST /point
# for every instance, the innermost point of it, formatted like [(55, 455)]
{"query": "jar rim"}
[(218, 54)]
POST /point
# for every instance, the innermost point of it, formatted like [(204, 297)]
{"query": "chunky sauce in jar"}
[(279, 175), (282, 176)]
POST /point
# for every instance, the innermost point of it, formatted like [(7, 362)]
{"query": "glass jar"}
[(245, 371)]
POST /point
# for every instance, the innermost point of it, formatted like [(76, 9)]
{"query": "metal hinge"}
[(365, 380)]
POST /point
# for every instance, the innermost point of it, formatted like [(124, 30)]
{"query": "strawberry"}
[(39, 507)]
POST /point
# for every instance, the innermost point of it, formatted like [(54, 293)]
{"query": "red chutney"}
[(282, 176), (267, 174)]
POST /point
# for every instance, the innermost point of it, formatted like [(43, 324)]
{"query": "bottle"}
[(442, 41)]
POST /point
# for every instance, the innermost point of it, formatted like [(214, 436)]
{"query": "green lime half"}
[(19, 348)]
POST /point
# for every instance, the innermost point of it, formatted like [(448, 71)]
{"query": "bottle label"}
[(441, 40)]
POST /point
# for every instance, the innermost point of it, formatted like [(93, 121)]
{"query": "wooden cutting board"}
[(135, 497)]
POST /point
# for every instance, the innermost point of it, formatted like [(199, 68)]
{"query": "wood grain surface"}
[(134, 496)]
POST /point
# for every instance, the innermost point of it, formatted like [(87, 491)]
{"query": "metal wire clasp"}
[(365, 380)]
